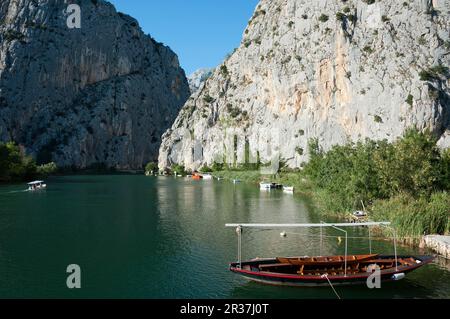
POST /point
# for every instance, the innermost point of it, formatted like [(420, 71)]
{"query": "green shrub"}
[(434, 73), (178, 169), (368, 49), (378, 119), (47, 169), (352, 18), (151, 167), (217, 167), (426, 76), (11, 35), (340, 16), (206, 169), (224, 70), (208, 99), (323, 18), (422, 41), (410, 100)]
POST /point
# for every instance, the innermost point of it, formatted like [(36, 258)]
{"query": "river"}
[(162, 237)]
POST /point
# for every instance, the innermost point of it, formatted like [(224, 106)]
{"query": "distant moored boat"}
[(265, 186), (288, 189)]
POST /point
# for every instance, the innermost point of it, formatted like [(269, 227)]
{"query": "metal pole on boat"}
[(370, 242), (346, 246), (345, 273), (239, 233), (395, 248), (321, 239), (394, 233)]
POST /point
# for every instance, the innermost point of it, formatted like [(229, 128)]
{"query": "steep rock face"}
[(333, 70), (198, 78), (102, 94)]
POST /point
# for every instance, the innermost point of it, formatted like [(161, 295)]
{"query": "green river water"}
[(161, 237)]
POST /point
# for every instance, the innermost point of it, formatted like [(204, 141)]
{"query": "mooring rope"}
[(331, 285)]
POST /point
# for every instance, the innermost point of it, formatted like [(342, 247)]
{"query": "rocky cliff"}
[(197, 79), (328, 69), (100, 94)]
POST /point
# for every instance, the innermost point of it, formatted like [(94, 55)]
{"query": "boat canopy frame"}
[(337, 226), (36, 183)]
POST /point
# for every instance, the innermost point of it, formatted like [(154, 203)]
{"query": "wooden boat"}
[(326, 260), (278, 271)]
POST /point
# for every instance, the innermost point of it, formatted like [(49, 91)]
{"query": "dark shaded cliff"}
[(101, 94)]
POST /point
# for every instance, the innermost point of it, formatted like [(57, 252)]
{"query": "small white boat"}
[(236, 181), (207, 177), (265, 186), (36, 185), (288, 189), (359, 213)]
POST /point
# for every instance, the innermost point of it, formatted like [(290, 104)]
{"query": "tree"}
[(416, 163), (15, 165), (151, 167), (206, 169), (178, 169)]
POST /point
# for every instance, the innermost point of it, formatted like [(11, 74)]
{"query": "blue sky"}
[(201, 32)]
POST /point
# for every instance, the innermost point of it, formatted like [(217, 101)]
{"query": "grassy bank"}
[(406, 182)]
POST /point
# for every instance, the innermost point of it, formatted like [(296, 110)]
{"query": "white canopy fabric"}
[(35, 183)]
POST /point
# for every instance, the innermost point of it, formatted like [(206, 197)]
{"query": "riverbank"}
[(440, 244), (412, 218)]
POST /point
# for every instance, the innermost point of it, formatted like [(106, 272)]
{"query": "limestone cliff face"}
[(102, 94), (328, 69), (198, 78)]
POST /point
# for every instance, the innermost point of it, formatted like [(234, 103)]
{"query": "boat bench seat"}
[(275, 265)]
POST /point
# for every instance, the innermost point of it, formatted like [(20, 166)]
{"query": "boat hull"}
[(250, 271)]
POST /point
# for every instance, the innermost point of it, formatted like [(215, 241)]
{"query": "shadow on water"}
[(414, 286)]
